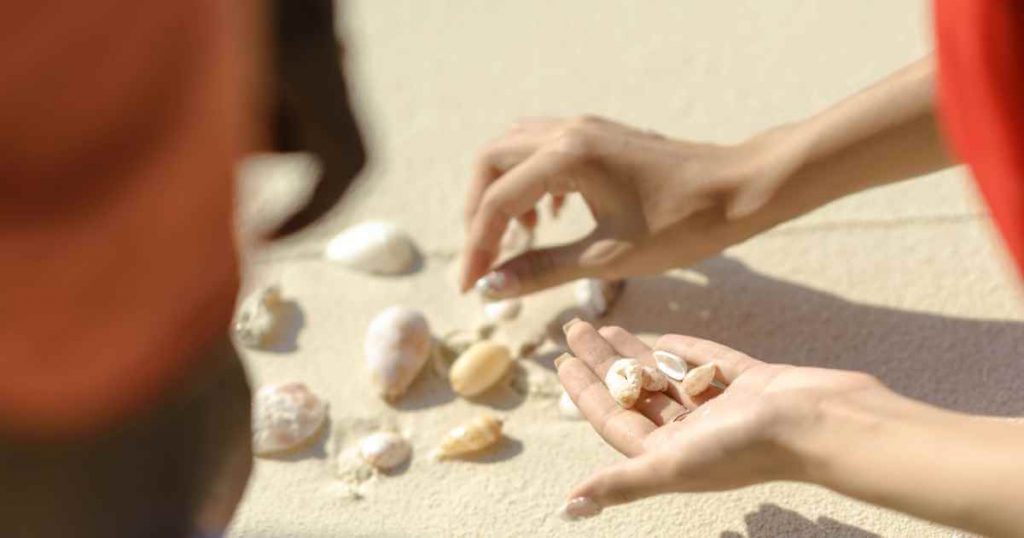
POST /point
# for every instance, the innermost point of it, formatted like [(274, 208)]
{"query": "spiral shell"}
[(257, 320), (479, 367), (284, 417), (698, 379), (595, 296), (473, 436), (385, 450), (397, 346), (625, 379), (374, 247)]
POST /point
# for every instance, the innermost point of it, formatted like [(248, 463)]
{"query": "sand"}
[(906, 282)]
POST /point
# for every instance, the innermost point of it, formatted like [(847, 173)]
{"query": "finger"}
[(730, 364), (620, 483), (623, 429), (659, 407), (536, 270), (518, 192)]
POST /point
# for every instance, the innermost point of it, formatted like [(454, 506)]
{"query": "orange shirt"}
[(120, 126)]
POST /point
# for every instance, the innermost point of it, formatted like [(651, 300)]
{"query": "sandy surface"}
[(905, 282)]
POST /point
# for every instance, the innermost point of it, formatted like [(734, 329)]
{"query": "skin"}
[(661, 203)]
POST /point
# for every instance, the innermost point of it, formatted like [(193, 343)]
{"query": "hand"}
[(727, 439), (658, 202)]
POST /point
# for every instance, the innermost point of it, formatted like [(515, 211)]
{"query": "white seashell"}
[(595, 297), (624, 380), (352, 469), (698, 379), (397, 346), (479, 367), (670, 364), (568, 408), (374, 247), (653, 380), (385, 450), (504, 310), (473, 436), (285, 417), (256, 322)]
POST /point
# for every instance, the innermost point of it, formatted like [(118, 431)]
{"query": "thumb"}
[(535, 270), (627, 481)]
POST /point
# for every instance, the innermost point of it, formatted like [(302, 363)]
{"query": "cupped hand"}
[(657, 202), (718, 440)]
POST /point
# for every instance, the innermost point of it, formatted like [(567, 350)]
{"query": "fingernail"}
[(579, 508), (497, 284), (565, 328), (560, 359)]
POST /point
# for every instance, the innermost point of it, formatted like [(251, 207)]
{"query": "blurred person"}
[(661, 203), (124, 410)]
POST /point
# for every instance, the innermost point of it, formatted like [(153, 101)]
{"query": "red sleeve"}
[(980, 49)]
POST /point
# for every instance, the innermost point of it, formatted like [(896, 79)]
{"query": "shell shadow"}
[(290, 321), (771, 520), (428, 390), (507, 448), (315, 448)]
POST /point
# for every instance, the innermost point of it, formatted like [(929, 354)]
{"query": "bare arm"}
[(662, 203)]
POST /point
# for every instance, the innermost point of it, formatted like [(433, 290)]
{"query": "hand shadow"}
[(971, 365), (771, 521)]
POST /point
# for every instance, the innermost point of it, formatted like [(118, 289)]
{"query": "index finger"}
[(516, 193)]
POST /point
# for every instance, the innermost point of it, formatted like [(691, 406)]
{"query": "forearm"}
[(947, 467), (883, 134)]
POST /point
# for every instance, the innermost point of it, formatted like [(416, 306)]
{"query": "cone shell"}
[(473, 436), (285, 417), (479, 367), (374, 247), (396, 348), (698, 379)]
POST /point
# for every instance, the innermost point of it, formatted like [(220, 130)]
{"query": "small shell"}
[(567, 408), (504, 310), (698, 379), (353, 470), (670, 364), (473, 436), (397, 346), (624, 380), (385, 450), (479, 367), (374, 247), (595, 297), (653, 380), (285, 417), (256, 323)]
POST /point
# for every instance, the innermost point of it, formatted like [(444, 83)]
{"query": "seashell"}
[(653, 380), (595, 296), (567, 408), (353, 470), (397, 347), (670, 364), (256, 323), (385, 450), (473, 436), (698, 379), (504, 310), (479, 367), (284, 417), (625, 379), (374, 247)]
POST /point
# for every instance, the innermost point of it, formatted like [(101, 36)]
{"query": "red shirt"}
[(121, 122), (981, 102)]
